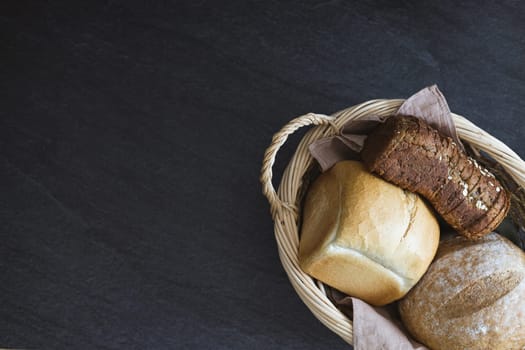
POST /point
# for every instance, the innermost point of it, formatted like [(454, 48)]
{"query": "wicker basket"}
[(285, 202)]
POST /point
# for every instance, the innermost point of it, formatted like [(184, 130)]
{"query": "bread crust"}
[(411, 154), (364, 236), (471, 297)]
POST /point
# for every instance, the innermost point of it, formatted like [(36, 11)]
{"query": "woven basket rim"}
[(284, 202)]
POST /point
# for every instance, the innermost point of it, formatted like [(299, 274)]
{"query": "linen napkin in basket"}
[(374, 327), (428, 104)]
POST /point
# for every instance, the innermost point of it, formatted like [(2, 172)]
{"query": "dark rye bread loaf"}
[(411, 154)]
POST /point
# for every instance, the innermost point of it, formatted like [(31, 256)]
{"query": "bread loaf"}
[(364, 236), (471, 297), (409, 153)]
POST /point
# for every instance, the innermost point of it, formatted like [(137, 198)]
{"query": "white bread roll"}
[(364, 236), (472, 297)]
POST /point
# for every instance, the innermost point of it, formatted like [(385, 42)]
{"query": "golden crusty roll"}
[(471, 297), (411, 154), (364, 236)]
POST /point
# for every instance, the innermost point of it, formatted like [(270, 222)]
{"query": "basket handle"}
[(271, 152)]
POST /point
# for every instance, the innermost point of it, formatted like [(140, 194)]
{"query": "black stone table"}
[(131, 138)]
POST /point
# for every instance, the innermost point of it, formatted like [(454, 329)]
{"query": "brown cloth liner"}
[(428, 104), (380, 327), (374, 327)]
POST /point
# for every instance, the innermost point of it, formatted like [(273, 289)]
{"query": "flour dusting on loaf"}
[(472, 297)]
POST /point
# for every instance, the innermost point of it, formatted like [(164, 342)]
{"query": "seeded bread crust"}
[(411, 154)]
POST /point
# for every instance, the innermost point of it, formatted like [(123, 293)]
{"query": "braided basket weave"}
[(285, 202)]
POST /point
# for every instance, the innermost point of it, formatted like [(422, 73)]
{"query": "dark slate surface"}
[(131, 138)]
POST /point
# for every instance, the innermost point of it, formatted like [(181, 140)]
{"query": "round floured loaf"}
[(472, 297), (364, 236)]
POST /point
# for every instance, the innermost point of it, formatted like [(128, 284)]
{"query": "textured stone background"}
[(131, 137)]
